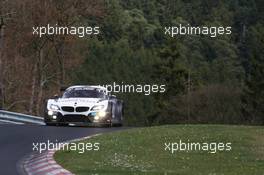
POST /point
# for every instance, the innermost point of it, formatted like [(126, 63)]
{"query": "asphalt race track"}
[(16, 141)]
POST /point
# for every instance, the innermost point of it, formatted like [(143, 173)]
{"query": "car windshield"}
[(83, 93)]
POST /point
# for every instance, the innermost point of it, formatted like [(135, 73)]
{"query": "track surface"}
[(16, 141)]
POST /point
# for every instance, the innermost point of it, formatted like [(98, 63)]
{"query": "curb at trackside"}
[(44, 163)]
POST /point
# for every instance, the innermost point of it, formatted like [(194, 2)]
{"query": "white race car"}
[(91, 105)]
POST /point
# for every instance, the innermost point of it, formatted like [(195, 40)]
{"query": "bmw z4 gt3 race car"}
[(84, 105)]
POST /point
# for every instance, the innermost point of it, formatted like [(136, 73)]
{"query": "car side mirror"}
[(56, 96), (112, 96)]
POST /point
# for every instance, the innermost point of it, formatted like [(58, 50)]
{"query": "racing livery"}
[(84, 105)]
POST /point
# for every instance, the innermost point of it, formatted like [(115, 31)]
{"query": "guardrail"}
[(23, 118)]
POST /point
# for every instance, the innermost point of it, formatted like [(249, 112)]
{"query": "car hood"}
[(78, 101)]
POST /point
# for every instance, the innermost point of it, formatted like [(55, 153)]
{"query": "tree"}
[(171, 72), (44, 61), (254, 92)]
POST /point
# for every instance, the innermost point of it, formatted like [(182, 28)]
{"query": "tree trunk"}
[(1, 63), (33, 89), (40, 83), (61, 71), (39, 100)]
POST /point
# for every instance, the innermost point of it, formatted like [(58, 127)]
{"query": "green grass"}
[(141, 151)]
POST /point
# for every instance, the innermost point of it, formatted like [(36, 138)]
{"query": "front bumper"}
[(92, 118)]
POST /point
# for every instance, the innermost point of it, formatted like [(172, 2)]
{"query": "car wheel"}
[(50, 124), (63, 124)]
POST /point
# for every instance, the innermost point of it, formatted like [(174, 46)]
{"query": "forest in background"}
[(208, 80)]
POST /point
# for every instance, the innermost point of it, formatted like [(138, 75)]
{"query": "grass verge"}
[(142, 151)]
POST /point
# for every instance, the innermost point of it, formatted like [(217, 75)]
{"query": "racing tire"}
[(50, 124), (63, 124)]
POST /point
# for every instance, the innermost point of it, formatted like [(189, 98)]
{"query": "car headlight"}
[(54, 107), (50, 113), (97, 107), (101, 113)]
